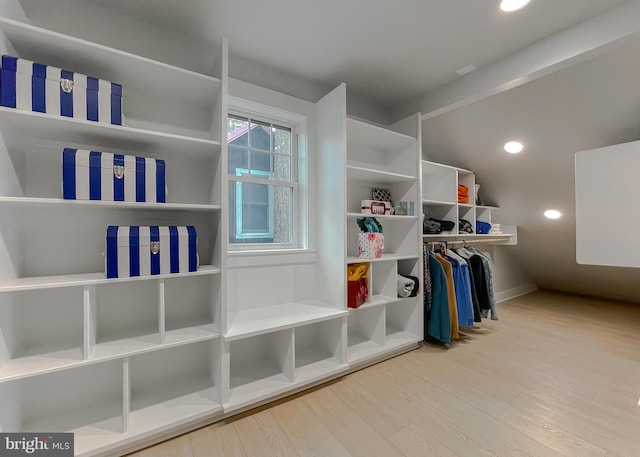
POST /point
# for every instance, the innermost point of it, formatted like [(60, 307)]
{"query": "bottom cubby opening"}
[(318, 342), (65, 401), (174, 386), (163, 376), (263, 357), (404, 320), (365, 332)]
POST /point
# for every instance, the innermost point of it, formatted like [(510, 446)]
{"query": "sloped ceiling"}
[(592, 104)]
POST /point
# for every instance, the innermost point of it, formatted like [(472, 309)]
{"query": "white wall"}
[(509, 280), (295, 86)]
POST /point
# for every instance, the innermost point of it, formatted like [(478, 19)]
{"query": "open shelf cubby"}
[(66, 401), (365, 333), (319, 349), (260, 366), (40, 331), (174, 385)]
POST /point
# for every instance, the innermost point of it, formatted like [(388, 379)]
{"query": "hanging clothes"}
[(479, 280), (462, 288), (458, 289), (453, 306), (426, 280), (486, 262), (437, 321), (477, 314)]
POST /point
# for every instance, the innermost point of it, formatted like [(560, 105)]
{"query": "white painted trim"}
[(514, 292)]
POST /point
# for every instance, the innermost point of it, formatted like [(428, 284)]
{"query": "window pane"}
[(255, 193), (255, 218), (260, 213), (282, 219), (237, 131), (238, 159), (281, 140), (260, 137), (261, 164), (281, 167)]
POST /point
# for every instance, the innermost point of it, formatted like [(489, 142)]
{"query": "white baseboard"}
[(508, 294)]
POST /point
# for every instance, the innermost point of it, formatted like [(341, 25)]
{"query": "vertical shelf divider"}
[(162, 312), (90, 320), (380, 332), (225, 371), (126, 394), (289, 368), (342, 352)]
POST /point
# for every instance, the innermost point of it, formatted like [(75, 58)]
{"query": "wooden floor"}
[(558, 375)]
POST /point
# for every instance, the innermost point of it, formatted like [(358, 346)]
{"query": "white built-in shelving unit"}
[(356, 156), (440, 201), (124, 362), (115, 361), (282, 333)]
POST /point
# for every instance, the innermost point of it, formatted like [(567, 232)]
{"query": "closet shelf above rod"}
[(496, 240)]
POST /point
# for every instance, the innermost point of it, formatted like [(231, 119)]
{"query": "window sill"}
[(270, 257), (276, 251)]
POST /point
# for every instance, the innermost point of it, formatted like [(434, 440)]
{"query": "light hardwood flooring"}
[(557, 375)]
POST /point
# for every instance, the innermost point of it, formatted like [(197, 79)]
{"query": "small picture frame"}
[(402, 208)]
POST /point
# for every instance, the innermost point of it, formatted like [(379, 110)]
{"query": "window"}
[(263, 187)]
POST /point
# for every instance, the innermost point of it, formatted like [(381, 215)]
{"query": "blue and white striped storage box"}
[(144, 251), (95, 175), (30, 86)]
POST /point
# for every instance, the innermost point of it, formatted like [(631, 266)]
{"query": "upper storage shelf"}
[(379, 154), (376, 176), (439, 183), (374, 137), (136, 74), (16, 125)]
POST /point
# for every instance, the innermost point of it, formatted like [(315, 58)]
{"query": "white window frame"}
[(299, 174)]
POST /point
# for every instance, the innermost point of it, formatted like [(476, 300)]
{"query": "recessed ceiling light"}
[(513, 147), (509, 6), (552, 214)]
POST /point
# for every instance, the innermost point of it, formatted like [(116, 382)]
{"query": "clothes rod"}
[(470, 241)]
